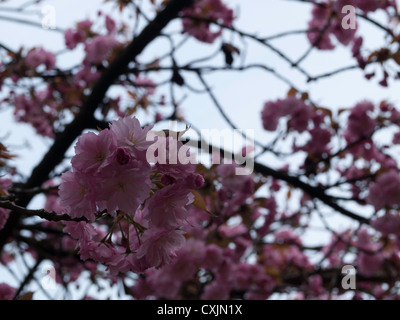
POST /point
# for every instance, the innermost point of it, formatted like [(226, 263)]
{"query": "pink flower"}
[(90, 246), (396, 138), (73, 38), (286, 236), (213, 256), (213, 10), (122, 156), (7, 292), (297, 110), (370, 257), (32, 111), (360, 124), (128, 133), (125, 189), (168, 207), (320, 18), (322, 26), (300, 115), (234, 183), (87, 75), (270, 116), (387, 224), (232, 232), (219, 289), (99, 48), (319, 142), (162, 284), (39, 56), (356, 50), (315, 283), (110, 24), (187, 260), (53, 204), (84, 25), (77, 194), (372, 5), (251, 277), (92, 151), (80, 230), (385, 191), (160, 246)]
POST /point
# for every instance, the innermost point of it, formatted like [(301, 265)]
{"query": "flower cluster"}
[(368, 5), (327, 18), (112, 179), (296, 109), (7, 292), (98, 47), (39, 109), (327, 22), (201, 16), (38, 56)]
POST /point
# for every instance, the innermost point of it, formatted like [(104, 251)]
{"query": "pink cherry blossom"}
[(270, 116), (128, 133), (217, 290), (39, 56), (7, 292), (298, 112), (77, 194), (168, 207), (84, 25), (387, 224), (125, 189), (396, 138), (110, 24), (161, 284), (316, 284), (319, 141), (73, 38), (385, 191), (92, 151), (360, 124), (214, 10), (160, 246), (234, 183), (370, 258), (372, 5), (99, 48), (327, 22), (87, 75)]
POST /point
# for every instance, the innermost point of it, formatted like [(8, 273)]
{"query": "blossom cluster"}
[(327, 19), (111, 178), (200, 18)]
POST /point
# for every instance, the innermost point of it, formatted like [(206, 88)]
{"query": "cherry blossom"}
[(209, 10)]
